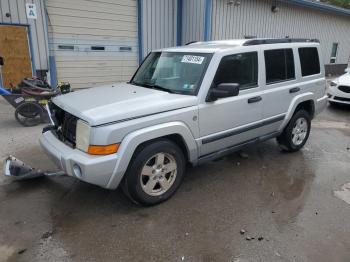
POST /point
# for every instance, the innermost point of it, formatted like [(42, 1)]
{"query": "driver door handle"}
[(254, 99), (294, 90)]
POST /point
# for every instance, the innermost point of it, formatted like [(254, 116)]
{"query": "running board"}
[(235, 148), (18, 170)]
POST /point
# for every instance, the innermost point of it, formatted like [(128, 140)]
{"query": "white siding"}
[(159, 23), (254, 18), (16, 9), (193, 20), (82, 24)]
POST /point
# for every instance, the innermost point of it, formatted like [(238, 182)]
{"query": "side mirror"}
[(223, 90), (347, 70), (1, 61)]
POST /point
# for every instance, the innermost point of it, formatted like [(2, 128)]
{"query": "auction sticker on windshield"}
[(193, 59)]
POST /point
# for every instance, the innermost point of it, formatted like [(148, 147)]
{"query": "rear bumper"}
[(95, 170)]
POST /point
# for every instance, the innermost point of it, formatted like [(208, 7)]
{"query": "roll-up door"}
[(94, 41)]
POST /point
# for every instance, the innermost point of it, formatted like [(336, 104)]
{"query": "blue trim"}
[(31, 50), (179, 23), (4, 91), (1, 83), (3, 23), (139, 29), (207, 19), (320, 6), (53, 71)]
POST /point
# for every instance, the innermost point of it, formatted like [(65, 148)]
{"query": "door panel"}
[(15, 51), (229, 121), (232, 120), (281, 85), (277, 98)]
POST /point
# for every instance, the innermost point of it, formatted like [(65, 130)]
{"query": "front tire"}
[(296, 133), (155, 173)]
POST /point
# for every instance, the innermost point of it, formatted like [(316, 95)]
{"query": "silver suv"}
[(187, 105)]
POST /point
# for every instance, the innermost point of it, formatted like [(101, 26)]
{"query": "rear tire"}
[(155, 173), (296, 133)]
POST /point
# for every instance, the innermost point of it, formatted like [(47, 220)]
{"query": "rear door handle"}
[(254, 99), (294, 90)]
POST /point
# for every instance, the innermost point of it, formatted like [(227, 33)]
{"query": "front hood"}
[(110, 103), (344, 80)]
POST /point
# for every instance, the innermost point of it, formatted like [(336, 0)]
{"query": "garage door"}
[(94, 41)]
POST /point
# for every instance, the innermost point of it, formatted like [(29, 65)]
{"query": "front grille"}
[(66, 125), (345, 89), (342, 99)]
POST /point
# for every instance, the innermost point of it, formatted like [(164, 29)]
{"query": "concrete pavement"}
[(288, 199)]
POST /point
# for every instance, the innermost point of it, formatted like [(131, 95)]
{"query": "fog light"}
[(77, 170)]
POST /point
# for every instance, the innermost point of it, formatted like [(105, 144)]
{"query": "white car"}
[(339, 89)]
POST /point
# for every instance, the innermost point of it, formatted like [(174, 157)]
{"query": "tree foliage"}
[(340, 3)]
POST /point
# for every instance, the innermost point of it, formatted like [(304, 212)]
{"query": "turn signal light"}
[(103, 150)]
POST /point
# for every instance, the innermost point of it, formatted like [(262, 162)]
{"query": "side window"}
[(309, 61), (238, 68), (334, 53), (279, 64)]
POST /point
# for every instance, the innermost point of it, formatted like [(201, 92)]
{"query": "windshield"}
[(179, 73)]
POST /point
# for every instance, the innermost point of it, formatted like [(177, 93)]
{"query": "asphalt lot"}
[(288, 199)]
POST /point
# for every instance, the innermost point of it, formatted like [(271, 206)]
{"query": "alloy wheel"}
[(158, 174)]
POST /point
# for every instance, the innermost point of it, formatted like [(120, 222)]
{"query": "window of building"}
[(238, 68), (279, 64), (309, 61), (334, 53)]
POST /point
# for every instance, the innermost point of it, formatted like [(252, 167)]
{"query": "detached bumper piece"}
[(18, 170)]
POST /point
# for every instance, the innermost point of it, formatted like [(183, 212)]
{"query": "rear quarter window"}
[(309, 61)]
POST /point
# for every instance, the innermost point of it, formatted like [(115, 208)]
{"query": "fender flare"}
[(293, 105), (136, 138)]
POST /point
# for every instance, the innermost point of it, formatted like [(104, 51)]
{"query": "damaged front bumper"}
[(18, 170), (92, 169)]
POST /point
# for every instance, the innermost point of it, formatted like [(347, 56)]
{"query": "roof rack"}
[(279, 41)]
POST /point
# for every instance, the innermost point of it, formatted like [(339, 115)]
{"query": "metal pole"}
[(1, 64), (1, 83)]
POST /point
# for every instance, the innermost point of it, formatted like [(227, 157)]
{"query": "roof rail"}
[(279, 41)]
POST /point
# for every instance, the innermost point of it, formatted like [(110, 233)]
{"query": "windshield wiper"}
[(156, 87)]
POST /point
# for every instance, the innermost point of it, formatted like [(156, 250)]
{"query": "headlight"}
[(82, 136), (332, 83)]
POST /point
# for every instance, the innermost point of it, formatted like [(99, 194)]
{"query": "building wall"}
[(93, 42), (113, 24), (193, 13), (254, 18), (38, 32), (159, 24)]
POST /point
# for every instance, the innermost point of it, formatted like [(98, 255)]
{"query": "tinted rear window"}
[(279, 64), (309, 61)]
